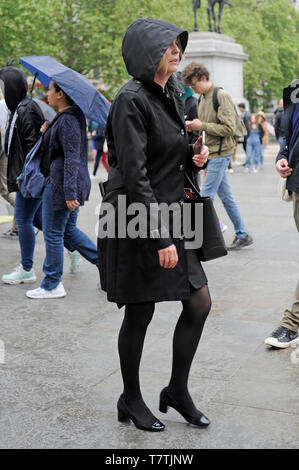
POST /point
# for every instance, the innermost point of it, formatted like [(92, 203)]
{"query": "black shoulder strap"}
[(216, 106), (215, 98)]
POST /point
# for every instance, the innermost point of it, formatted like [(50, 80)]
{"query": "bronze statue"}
[(196, 5), (211, 11)]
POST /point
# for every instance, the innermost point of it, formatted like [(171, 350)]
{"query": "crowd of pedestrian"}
[(154, 133)]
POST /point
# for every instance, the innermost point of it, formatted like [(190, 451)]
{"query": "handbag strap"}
[(192, 185)]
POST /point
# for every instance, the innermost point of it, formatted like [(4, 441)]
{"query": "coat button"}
[(183, 131), (182, 168)]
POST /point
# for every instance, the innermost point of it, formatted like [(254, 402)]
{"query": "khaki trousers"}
[(291, 317), (9, 197)]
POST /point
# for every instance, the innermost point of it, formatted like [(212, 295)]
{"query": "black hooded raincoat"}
[(27, 125), (148, 147)]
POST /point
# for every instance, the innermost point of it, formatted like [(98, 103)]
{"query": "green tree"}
[(87, 36)]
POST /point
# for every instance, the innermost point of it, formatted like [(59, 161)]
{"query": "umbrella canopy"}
[(48, 112), (93, 104)]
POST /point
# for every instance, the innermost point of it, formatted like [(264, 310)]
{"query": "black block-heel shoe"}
[(198, 419), (125, 414)]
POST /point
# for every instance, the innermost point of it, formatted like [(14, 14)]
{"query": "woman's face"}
[(52, 95), (253, 118), (172, 57)]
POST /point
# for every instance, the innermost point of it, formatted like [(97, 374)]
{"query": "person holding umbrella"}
[(148, 152), (64, 166)]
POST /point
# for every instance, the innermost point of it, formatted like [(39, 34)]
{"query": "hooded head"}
[(14, 86), (145, 43)]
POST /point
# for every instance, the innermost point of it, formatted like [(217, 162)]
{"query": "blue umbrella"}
[(93, 104)]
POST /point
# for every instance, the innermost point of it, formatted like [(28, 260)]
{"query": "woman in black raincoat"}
[(148, 156)]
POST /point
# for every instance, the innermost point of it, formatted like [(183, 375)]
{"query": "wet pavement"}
[(59, 371)]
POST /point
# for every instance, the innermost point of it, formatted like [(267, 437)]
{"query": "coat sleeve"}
[(226, 117), (277, 124), (130, 134), (31, 123), (70, 139), (283, 152)]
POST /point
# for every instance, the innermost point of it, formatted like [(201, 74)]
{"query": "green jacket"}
[(216, 125)]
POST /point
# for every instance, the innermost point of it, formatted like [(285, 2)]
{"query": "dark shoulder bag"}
[(213, 245)]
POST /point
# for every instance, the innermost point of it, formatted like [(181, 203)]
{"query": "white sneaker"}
[(255, 169), (41, 293)]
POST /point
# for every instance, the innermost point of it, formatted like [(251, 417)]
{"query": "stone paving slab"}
[(61, 379)]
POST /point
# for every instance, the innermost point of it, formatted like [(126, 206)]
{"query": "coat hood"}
[(145, 43), (14, 86)]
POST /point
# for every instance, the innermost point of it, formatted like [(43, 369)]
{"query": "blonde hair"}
[(163, 66), (262, 115)]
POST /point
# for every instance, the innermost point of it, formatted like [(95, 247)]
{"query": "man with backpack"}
[(219, 119)]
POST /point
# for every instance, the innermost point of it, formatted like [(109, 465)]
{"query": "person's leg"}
[(262, 156), (185, 342), (257, 152), (78, 240), (290, 319), (9, 197), (214, 174), (130, 346), (54, 223), (225, 194), (96, 162), (26, 210), (286, 334), (296, 209), (249, 150), (244, 144)]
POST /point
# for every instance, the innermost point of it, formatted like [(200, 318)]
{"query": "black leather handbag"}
[(213, 245)]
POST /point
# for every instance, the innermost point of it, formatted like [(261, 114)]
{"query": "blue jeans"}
[(99, 148), (253, 149), (216, 182), (28, 214), (59, 226)]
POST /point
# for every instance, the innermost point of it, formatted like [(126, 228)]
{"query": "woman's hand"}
[(44, 127), (72, 205), (201, 153), (168, 257)]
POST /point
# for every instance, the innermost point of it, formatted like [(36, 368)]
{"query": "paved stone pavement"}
[(60, 380)]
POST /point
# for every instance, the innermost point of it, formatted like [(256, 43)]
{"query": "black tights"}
[(185, 341)]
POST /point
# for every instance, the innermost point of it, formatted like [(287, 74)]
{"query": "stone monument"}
[(222, 56)]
